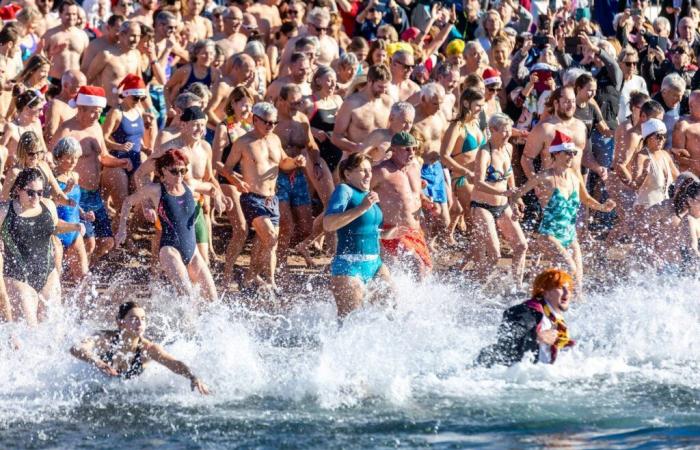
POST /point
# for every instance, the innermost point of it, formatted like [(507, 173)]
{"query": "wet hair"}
[(34, 63), (582, 81), (66, 3), (378, 72), (687, 186), (199, 89), (351, 163), (238, 93), (124, 309), (28, 99), (287, 90), (23, 179), (652, 108), (66, 146), (321, 72), (185, 100), (170, 158), (469, 96), (28, 143), (550, 279)]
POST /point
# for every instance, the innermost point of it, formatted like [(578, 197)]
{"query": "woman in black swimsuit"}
[(28, 223), (176, 216), (326, 103), (124, 352), (239, 108)]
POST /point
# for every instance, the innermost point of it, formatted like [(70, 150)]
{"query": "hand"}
[(527, 45), (548, 337), (518, 209), (243, 187), (534, 78), (609, 205), (125, 147), (120, 237), (300, 161), (551, 84), (319, 135), (602, 173), (80, 228), (127, 165), (370, 199), (70, 184), (197, 384), (106, 369), (681, 152), (89, 216), (150, 214)]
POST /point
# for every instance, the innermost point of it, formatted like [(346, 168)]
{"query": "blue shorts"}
[(435, 177), (364, 267), (296, 192), (254, 206), (102, 226)]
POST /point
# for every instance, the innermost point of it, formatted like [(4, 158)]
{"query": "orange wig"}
[(551, 279)]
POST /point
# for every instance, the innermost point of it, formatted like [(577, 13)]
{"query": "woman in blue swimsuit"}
[(176, 216), (489, 206), (563, 191), (354, 213), (459, 150)]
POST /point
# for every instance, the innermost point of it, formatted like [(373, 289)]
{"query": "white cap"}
[(652, 126)]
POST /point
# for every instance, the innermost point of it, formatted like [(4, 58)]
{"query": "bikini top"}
[(496, 176), (470, 143), (135, 367)]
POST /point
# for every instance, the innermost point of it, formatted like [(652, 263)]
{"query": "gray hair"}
[(318, 14), (401, 108), (673, 81), (398, 53), (255, 49), (499, 120), (349, 59), (66, 146), (569, 77), (662, 21), (185, 100), (431, 90), (262, 109), (165, 16)]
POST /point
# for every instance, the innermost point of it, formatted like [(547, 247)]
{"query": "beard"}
[(564, 115)]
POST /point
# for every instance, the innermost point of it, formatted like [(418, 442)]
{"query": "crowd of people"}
[(390, 135)]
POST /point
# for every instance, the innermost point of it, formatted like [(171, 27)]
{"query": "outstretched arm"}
[(159, 355)]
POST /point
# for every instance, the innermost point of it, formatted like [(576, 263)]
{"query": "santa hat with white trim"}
[(561, 143), (491, 76), (89, 96), (133, 85)]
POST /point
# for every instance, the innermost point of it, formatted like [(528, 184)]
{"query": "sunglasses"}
[(34, 193), (269, 123), (174, 171), (320, 29), (494, 89), (630, 63), (33, 154), (659, 136), (406, 66), (140, 99)]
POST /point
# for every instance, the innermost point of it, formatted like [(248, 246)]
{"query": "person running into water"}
[(28, 222), (354, 213), (124, 352), (489, 206), (176, 216), (536, 326), (561, 191)]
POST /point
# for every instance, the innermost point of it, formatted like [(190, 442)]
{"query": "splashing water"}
[(386, 378)]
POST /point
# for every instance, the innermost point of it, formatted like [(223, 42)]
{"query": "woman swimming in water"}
[(354, 213), (562, 191), (124, 352), (176, 215)]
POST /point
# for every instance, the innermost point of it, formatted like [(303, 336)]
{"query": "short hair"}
[(185, 100), (9, 33), (264, 109), (349, 59), (255, 49), (288, 89), (652, 108), (358, 43), (551, 279), (444, 69), (199, 89), (66, 146), (124, 309), (304, 41), (401, 108), (582, 81), (170, 158), (662, 21), (673, 81), (66, 3), (393, 34), (239, 59), (638, 98), (115, 19), (378, 72), (569, 77), (164, 16), (431, 90), (318, 14), (297, 57), (401, 52), (499, 120), (352, 162)]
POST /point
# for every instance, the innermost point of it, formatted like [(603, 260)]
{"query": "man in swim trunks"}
[(432, 124), (398, 183), (261, 158), (536, 326), (58, 110), (85, 128)]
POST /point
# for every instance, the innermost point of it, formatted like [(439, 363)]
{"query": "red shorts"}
[(412, 243)]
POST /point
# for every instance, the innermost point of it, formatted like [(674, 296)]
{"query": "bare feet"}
[(304, 252)]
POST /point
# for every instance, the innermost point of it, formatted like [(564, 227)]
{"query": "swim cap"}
[(455, 47), (396, 46), (551, 279), (192, 113)]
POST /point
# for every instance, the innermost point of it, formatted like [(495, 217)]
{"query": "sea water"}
[(391, 376)]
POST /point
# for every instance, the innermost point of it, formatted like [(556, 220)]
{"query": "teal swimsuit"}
[(470, 144), (559, 217), (357, 252)]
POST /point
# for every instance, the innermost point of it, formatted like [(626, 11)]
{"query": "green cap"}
[(404, 139)]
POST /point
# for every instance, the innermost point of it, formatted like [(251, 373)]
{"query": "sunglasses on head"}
[(269, 123), (32, 193), (175, 171)]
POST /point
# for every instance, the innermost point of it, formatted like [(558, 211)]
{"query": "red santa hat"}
[(491, 76), (9, 12), (89, 96), (561, 143), (133, 85)]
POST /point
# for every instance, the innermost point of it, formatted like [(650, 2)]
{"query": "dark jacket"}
[(517, 335)]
